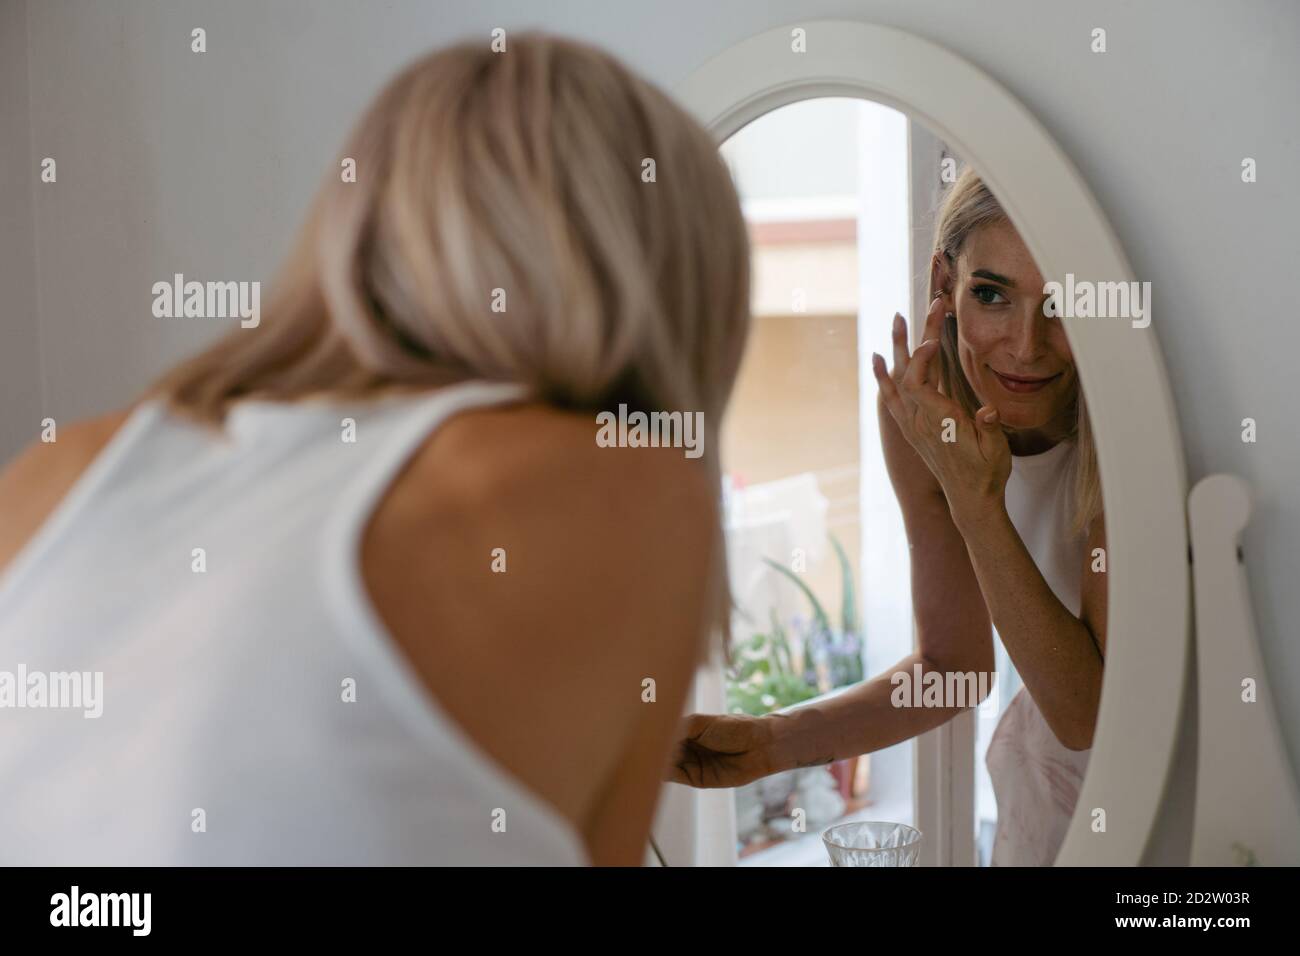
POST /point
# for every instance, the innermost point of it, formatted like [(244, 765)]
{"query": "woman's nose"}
[(1028, 338)]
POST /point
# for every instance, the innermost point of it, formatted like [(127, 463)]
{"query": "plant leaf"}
[(849, 608), (819, 613)]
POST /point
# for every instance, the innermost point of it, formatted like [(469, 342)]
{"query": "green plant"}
[(765, 676), (848, 607), (819, 613)]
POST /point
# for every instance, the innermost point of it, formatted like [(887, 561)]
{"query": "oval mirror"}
[(957, 111)]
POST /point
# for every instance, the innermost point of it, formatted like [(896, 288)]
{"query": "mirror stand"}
[(1247, 808)]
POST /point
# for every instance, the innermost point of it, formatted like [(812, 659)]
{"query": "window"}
[(819, 560)]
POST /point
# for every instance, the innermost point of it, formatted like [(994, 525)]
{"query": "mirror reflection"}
[(913, 507)]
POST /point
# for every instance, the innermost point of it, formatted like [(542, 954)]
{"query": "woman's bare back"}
[(607, 557)]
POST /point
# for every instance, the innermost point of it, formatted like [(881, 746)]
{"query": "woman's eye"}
[(988, 295)]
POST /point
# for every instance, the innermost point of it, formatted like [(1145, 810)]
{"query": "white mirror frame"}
[(1120, 367)]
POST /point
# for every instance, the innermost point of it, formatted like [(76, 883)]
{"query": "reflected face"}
[(1015, 357)]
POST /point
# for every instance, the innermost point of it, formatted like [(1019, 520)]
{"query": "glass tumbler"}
[(872, 843)]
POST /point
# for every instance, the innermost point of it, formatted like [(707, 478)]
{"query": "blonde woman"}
[(360, 583), (987, 444)]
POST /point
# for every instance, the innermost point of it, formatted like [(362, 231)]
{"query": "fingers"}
[(888, 390), (900, 347), (677, 774), (988, 428), (918, 391), (934, 320), (933, 330), (694, 725), (712, 752), (687, 765), (918, 372)]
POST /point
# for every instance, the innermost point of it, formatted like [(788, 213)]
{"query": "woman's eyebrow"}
[(994, 277)]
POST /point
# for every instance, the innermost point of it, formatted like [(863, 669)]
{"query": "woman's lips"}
[(1020, 384)]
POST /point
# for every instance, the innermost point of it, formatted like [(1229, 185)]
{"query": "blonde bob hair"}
[(969, 205), (547, 181)]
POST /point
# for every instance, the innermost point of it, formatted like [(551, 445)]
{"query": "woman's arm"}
[(730, 750), (1058, 655), (952, 626), (952, 630)]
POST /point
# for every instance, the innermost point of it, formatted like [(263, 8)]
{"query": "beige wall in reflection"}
[(795, 409)]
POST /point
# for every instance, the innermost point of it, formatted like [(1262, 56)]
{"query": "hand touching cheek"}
[(970, 458)]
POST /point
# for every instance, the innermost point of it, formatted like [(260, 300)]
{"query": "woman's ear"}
[(941, 281)]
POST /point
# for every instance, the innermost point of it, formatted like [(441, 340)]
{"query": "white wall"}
[(174, 162), (21, 383)]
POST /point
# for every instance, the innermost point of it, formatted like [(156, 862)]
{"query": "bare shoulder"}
[(75, 442), (535, 579), (525, 494), (531, 471), (32, 486), (532, 454)]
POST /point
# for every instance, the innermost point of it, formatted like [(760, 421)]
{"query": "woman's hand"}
[(723, 750), (913, 482), (970, 459)]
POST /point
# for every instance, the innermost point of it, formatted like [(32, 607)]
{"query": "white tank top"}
[(225, 737), (1036, 779)]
